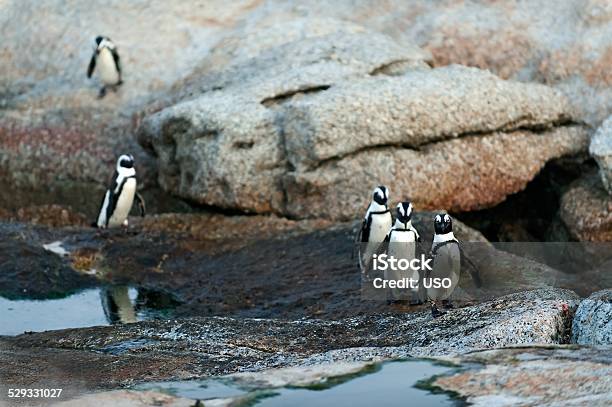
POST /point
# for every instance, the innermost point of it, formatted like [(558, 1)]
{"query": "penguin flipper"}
[(359, 239), (141, 205), (117, 64), (92, 65)]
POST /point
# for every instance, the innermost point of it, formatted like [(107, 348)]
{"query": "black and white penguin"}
[(120, 195), (109, 67), (402, 244), (446, 254), (446, 261), (375, 226)]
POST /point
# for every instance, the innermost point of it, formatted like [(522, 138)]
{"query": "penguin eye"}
[(446, 218)]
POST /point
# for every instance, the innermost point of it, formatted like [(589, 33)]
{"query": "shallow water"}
[(93, 307), (393, 384)]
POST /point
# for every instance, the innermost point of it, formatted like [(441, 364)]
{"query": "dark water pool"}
[(99, 306), (401, 383)]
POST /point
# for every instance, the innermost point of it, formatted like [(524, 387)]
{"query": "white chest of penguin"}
[(107, 67), (402, 244), (380, 226), (124, 203)]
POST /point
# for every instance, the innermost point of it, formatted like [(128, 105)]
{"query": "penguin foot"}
[(447, 304), (102, 92)]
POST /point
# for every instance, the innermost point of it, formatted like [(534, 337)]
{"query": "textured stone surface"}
[(225, 148), (532, 376), (54, 131), (417, 108), (601, 149), (122, 354), (295, 128), (462, 174), (586, 210), (565, 44), (592, 323), (126, 398)]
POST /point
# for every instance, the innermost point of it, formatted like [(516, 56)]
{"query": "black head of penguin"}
[(126, 161), (99, 39), (381, 195), (403, 212), (443, 224)]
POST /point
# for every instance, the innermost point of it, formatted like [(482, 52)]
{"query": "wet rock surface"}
[(258, 266), (593, 320), (533, 376), (214, 265), (123, 354)]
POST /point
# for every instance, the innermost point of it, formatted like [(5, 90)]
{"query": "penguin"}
[(446, 254), (375, 226), (109, 67), (402, 244), (117, 305), (120, 195)]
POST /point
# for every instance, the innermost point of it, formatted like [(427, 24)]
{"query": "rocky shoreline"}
[(258, 130)]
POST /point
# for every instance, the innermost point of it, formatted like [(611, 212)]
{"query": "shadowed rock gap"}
[(280, 98), (531, 214)]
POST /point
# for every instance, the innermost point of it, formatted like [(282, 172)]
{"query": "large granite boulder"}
[(601, 149), (592, 323), (306, 127), (565, 44)]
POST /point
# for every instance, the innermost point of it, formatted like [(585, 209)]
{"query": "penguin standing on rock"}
[(401, 244), (446, 254), (375, 227), (120, 196), (109, 67)]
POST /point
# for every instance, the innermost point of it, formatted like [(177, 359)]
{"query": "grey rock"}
[(535, 41), (586, 209), (417, 108), (529, 376), (56, 137), (306, 127), (601, 150), (592, 323), (217, 346), (126, 398), (463, 174)]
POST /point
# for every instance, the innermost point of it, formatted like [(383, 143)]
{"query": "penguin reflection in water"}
[(375, 226), (106, 58), (401, 243), (119, 197), (446, 254), (117, 305)]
